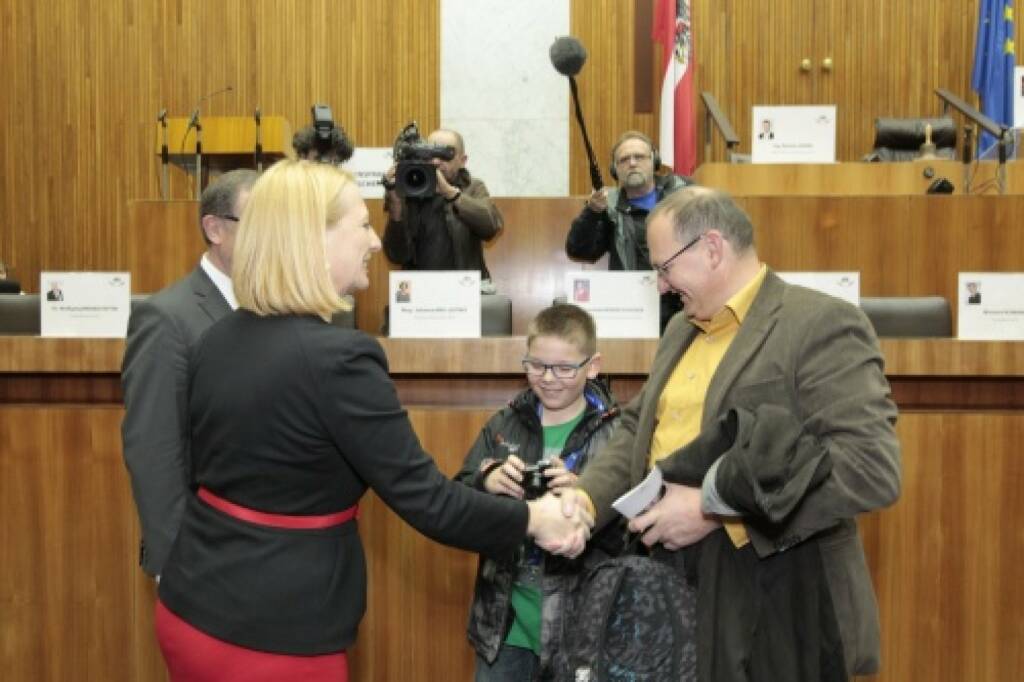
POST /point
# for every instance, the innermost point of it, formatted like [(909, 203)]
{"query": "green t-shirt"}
[(526, 599)]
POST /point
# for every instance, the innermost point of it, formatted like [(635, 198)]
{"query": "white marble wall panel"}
[(499, 90)]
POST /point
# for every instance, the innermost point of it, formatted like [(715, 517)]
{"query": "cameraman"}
[(445, 231)]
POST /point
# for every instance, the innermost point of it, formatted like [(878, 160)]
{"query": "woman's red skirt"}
[(194, 656)]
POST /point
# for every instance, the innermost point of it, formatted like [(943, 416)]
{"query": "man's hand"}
[(559, 526), (676, 520), (444, 188), (506, 479), (598, 201)]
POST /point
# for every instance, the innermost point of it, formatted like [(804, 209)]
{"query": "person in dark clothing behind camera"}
[(546, 435), (446, 230), (613, 220), (336, 148)]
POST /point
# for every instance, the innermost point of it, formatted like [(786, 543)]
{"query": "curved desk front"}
[(74, 604)]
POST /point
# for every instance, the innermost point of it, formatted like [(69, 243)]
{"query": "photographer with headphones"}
[(613, 219)]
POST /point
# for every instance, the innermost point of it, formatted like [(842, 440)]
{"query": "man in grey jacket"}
[(162, 332), (613, 219), (768, 412)]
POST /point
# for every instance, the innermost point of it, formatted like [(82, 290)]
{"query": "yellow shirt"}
[(681, 404)]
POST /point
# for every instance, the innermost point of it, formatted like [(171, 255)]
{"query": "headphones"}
[(634, 135)]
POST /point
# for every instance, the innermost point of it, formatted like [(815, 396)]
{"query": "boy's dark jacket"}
[(491, 614)]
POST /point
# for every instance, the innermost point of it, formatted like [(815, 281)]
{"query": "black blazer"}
[(290, 415)]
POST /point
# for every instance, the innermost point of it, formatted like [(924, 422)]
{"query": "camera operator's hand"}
[(445, 188), (558, 476), (392, 200), (598, 201), (506, 479)]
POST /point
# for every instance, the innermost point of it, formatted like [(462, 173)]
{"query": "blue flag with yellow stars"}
[(994, 60)]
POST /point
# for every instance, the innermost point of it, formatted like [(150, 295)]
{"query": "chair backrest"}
[(19, 314), (909, 317), (495, 315), (900, 139)]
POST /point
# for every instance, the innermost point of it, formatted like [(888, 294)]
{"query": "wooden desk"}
[(74, 605), (855, 179)]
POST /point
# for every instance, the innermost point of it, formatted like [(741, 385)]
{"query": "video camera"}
[(416, 174)]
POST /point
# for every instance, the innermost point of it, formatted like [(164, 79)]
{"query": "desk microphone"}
[(193, 120)]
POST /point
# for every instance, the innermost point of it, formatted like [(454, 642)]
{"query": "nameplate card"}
[(624, 305), (369, 164), (990, 306), (84, 304), (804, 134), (844, 285), (434, 305)]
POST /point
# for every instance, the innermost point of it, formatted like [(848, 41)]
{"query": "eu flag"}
[(992, 77)]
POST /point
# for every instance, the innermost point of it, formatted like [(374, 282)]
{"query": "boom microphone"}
[(567, 55)]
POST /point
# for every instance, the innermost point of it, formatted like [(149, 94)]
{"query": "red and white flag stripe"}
[(678, 130)]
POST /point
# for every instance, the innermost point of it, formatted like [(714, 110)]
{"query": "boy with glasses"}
[(539, 443)]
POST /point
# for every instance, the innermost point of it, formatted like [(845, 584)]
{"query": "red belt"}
[(278, 520)]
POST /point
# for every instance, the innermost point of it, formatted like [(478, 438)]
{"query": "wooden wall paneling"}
[(420, 592), (69, 548), (84, 87), (945, 558), (835, 233), (961, 235), (163, 242), (605, 27)]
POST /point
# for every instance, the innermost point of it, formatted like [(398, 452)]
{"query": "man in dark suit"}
[(162, 331), (768, 412)]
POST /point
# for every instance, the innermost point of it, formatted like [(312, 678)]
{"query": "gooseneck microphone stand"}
[(199, 156), (165, 159)]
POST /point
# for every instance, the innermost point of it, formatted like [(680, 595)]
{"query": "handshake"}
[(559, 523)]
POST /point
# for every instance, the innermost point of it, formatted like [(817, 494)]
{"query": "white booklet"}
[(990, 306), (637, 500), (624, 305), (84, 304), (434, 304)]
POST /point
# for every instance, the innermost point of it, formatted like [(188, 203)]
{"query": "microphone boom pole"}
[(568, 56), (595, 171)]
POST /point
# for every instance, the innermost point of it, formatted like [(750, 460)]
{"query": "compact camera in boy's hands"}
[(534, 482)]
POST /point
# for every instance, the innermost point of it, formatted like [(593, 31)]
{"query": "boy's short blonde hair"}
[(568, 322), (280, 256)]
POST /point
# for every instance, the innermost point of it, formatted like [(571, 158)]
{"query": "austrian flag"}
[(678, 133)]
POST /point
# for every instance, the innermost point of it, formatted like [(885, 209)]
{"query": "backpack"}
[(629, 619)]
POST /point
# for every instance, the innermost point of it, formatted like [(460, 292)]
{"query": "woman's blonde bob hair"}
[(279, 262)]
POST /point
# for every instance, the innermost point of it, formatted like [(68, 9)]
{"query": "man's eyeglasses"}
[(228, 216), (637, 158), (664, 267), (535, 368)]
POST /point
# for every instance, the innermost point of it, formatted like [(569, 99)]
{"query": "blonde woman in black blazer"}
[(292, 420)]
